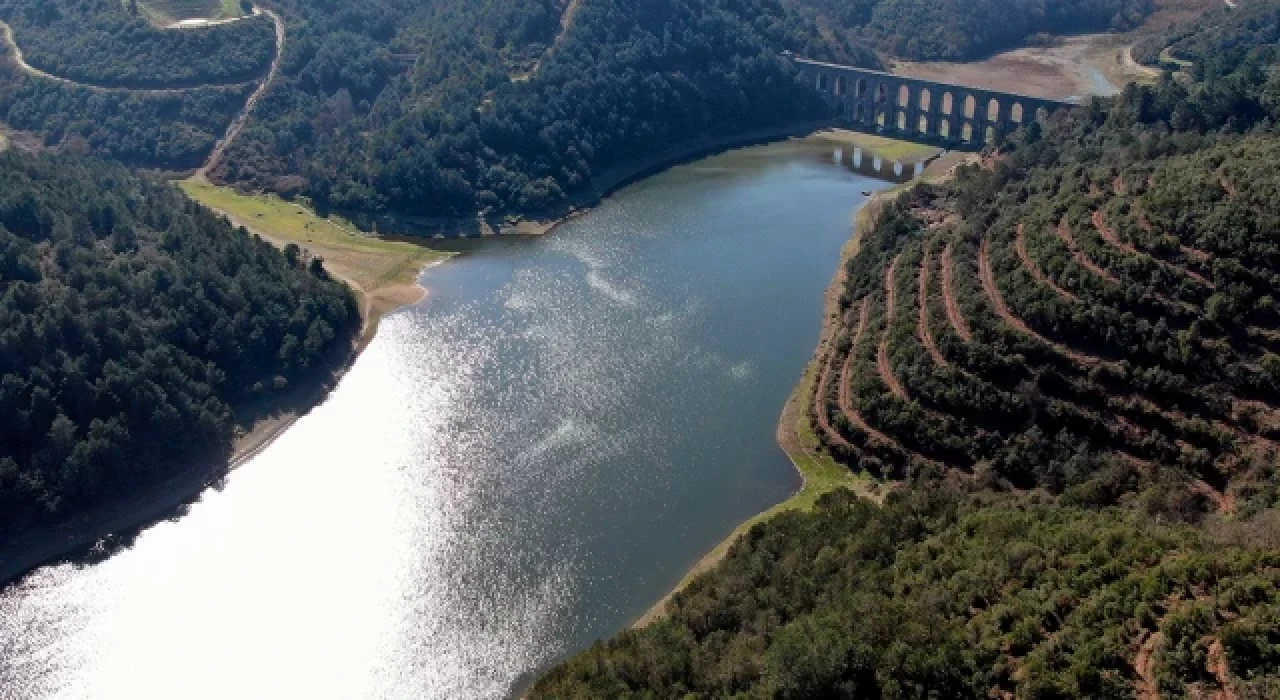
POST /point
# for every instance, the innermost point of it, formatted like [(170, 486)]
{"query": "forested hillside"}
[(959, 30), (172, 130), (1220, 37), (1069, 359), (1090, 314), (451, 108), (935, 595), (105, 43), (137, 331), (481, 123), (473, 126)]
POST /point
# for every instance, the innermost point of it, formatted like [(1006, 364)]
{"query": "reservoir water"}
[(516, 467)]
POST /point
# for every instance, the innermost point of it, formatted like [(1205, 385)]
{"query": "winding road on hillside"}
[(233, 129), (20, 60), (237, 124), (566, 23)]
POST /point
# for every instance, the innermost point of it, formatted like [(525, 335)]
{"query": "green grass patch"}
[(364, 259), (821, 473), (166, 12), (888, 148)]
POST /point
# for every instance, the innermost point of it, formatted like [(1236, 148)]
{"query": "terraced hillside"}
[(1067, 361), (934, 595), (1090, 328)]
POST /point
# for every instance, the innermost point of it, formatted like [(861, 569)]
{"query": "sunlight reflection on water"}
[(514, 468)]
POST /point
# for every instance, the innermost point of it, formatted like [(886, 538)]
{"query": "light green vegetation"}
[(383, 271), (1166, 56), (890, 149), (821, 473), (166, 12)]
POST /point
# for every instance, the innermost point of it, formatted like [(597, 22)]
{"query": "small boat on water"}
[(866, 193)]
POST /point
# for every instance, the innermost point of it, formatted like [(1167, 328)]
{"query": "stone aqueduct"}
[(923, 109)]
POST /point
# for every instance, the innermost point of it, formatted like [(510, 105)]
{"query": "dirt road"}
[(6, 32), (237, 124)]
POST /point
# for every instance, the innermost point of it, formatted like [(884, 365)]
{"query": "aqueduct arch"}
[(923, 108)]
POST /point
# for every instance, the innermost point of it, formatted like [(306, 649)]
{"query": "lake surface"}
[(518, 466)]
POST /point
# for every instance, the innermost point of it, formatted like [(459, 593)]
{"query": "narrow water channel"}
[(516, 467)]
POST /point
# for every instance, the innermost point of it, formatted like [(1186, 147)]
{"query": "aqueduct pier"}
[(923, 109)]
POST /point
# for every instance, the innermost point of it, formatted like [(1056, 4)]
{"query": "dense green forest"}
[(137, 332), (937, 595), (171, 130), (473, 126), (1222, 37), (157, 129), (961, 30), (105, 43), (450, 108), (1069, 357)]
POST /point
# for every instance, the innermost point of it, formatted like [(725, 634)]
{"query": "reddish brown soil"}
[(1143, 464), (882, 353), (1028, 262), (1110, 236), (1223, 503), (1118, 186), (1199, 256), (1002, 309), (820, 409), (1190, 253), (922, 324), (1064, 232), (958, 322), (846, 379), (1144, 664), (1217, 665)]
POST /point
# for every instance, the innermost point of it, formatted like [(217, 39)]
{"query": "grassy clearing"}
[(888, 148), (384, 272), (163, 13), (1167, 56)]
